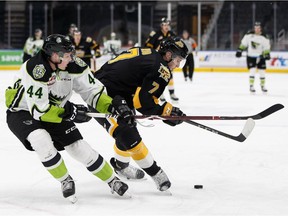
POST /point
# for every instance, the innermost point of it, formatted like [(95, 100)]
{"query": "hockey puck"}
[(198, 186)]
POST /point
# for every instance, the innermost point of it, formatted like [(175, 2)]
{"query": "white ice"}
[(249, 178)]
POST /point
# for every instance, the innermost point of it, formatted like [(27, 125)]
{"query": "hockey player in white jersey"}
[(42, 118), (33, 45), (112, 46), (258, 48)]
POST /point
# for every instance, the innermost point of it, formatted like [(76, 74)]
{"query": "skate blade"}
[(142, 179), (175, 101), (166, 193), (73, 199), (126, 195)]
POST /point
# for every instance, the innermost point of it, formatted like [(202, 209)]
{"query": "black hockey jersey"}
[(155, 38), (86, 49), (140, 75)]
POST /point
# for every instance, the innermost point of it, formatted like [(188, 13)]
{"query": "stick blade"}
[(248, 127), (269, 111)]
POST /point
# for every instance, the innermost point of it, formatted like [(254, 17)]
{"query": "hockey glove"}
[(238, 53), (175, 112), (119, 107), (75, 112), (266, 56)]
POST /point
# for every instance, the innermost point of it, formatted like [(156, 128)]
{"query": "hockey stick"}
[(248, 127), (263, 114), (260, 115)]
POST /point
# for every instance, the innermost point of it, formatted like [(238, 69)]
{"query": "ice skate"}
[(252, 89), (263, 88), (119, 187), (174, 97), (68, 189), (130, 172), (161, 180)]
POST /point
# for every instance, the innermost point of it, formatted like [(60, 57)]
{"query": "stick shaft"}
[(260, 115)]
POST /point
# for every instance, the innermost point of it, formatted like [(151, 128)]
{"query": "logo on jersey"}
[(55, 100), (254, 44), (80, 62), (38, 71), (51, 80), (179, 44), (164, 73)]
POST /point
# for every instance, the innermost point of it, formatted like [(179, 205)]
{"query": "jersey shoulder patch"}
[(77, 67), (38, 68), (38, 71), (152, 33), (89, 39)]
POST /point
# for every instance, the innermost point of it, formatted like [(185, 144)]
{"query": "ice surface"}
[(249, 178)]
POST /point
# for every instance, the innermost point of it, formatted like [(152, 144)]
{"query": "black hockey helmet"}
[(72, 25), (37, 30), (164, 20), (257, 23), (57, 43), (174, 45)]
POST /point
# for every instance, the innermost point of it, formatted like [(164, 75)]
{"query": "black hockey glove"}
[(119, 107), (75, 112), (175, 112), (266, 56), (238, 53)]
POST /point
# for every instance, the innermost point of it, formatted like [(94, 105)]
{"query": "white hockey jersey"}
[(33, 46), (44, 92), (112, 46), (190, 44), (256, 45)]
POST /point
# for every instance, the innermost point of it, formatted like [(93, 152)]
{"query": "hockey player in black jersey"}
[(155, 37), (154, 41), (140, 76), (87, 49)]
